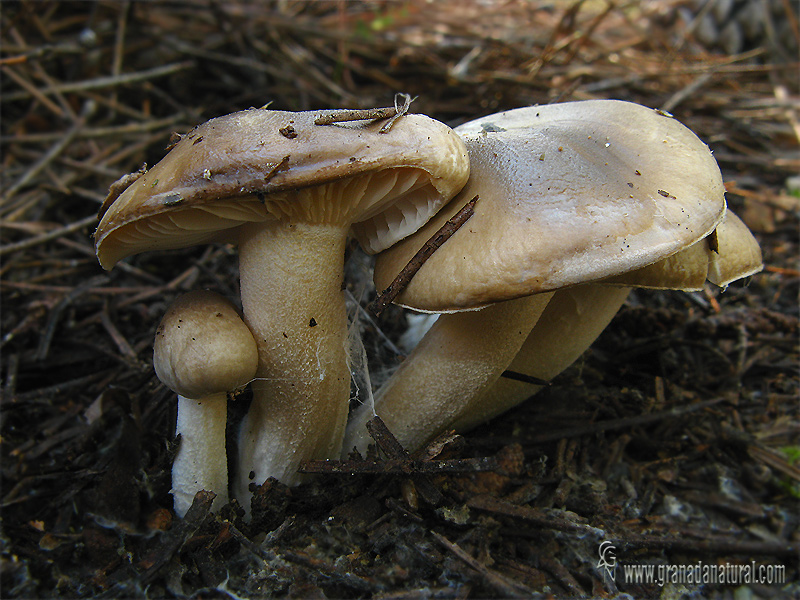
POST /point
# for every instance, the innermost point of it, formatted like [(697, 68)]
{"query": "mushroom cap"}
[(737, 255), (245, 167), (568, 193), (203, 347)]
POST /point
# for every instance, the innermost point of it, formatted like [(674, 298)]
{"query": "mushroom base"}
[(456, 361)]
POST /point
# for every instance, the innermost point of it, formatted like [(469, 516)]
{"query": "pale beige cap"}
[(729, 253), (568, 193), (203, 347), (247, 167)]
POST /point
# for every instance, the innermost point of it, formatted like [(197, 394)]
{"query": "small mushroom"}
[(568, 194), (290, 202), (202, 351)]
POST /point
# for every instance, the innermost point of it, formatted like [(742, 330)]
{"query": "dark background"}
[(676, 434)]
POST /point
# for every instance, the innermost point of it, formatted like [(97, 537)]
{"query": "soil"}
[(674, 440)]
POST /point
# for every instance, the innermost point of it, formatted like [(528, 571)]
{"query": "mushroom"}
[(568, 193), (202, 351), (289, 191)]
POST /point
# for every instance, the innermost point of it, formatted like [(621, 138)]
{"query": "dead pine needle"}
[(403, 278)]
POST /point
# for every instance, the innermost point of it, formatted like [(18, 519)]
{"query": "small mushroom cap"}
[(244, 167), (203, 347), (568, 193), (737, 255)]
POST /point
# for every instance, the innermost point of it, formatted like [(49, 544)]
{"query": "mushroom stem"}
[(573, 319), (291, 285), (461, 356), (201, 463)]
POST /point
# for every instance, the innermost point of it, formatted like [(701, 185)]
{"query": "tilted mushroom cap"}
[(737, 255), (202, 347), (235, 169), (568, 193), (729, 253)]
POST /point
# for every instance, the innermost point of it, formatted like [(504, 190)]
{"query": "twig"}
[(385, 439), (773, 460), (51, 154), (515, 376), (50, 235), (686, 92), (330, 571), (394, 450), (34, 91), (507, 588), (403, 278), (400, 466), (399, 462), (64, 289), (255, 549), (182, 531), (122, 344), (99, 132), (402, 102), (45, 395), (105, 82), (560, 572), (400, 109), (532, 515), (55, 314), (367, 114), (624, 423), (705, 546)]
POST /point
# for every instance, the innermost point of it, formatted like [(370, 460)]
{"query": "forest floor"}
[(675, 439)]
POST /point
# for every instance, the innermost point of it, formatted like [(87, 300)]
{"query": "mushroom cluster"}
[(577, 203)]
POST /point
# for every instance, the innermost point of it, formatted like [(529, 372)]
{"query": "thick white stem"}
[(568, 326), (458, 359), (201, 463), (291, 284)]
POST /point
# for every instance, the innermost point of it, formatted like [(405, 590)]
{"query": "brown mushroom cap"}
[(568, 193), (202, 347), (234, 169)]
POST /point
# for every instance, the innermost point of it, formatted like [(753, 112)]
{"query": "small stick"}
[(33, 91), (515, 376), (537, 516), (506, 587), (400, 110), (394, 450), (626, 422), (52, 153), (50, 235), (385, 439), (400, 466), (367, 114), (370, 114), (403, 278), (278, 167), (99, 132), (105, 82), (175, 538)]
